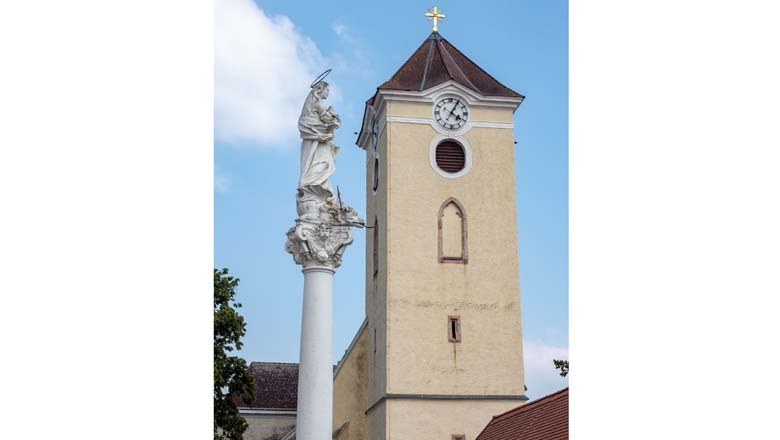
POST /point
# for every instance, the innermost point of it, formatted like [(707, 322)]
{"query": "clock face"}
[(451, 113)]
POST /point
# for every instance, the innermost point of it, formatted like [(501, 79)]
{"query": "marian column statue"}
[(324, 225), (318, 153), (321, 234)]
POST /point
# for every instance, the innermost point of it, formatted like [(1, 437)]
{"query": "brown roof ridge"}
[(534, 404), (437, 61), (479, 67), (428, 58), (449, 63), (426, 41)]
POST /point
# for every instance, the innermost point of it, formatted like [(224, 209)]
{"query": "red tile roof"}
[(543, 419), (437, 61), (276, 386)]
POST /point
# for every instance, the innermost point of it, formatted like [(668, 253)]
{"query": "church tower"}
[(444, 349)]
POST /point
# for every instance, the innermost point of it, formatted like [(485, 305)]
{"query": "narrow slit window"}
[(375, 184), (376, 248), (453, 328), (458, 437)]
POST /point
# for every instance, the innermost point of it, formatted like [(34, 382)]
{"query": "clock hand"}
[(453, 108)]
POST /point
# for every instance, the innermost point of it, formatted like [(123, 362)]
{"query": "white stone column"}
[(321, 234), (318, 247), (315, 372)]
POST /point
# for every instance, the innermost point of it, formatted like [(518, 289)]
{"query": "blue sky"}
[(267, 53)]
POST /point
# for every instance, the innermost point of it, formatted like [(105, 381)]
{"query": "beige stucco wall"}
[(377, 422), (440, 419), (422, 292), (268, 427), (409, 109), (376, 306), (350, 387), (414, 293), (491, 114)]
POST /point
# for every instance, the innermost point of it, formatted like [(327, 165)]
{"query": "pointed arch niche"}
[(453, 236)]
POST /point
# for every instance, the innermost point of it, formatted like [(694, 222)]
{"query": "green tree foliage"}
[(231, 375), (563, 366)]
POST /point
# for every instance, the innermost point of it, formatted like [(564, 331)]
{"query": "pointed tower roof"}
[(437, 61)]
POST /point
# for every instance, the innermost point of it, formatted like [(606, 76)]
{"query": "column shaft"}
[(315, 373)]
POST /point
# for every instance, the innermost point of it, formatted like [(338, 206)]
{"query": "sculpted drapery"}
[(318, 153)]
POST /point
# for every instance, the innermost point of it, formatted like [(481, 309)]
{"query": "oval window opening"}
[(450, 156)]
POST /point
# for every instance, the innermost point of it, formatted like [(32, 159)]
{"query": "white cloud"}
[(263, 67), (541, 377), (341, 30), (221, 181)]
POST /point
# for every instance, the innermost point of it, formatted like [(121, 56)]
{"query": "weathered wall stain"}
[(454, 305)]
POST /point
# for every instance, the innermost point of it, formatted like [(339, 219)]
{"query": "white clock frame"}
[(462, 99)]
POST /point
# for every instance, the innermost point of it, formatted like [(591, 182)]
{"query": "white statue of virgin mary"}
[(318, 153)]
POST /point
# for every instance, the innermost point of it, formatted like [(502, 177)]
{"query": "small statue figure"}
[(318, 153)]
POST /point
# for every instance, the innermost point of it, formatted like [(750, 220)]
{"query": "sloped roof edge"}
[(435, 61)]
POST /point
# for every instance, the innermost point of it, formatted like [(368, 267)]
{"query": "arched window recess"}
[(453, 233)]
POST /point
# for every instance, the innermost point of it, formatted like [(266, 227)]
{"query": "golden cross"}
[(436, 15)]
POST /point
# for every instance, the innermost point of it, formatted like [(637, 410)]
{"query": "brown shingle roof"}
[(437, 61), (276, 386), (543, 419)]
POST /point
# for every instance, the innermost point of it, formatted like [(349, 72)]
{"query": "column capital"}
[(318, 245)]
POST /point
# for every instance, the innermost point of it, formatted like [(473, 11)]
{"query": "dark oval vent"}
[(450, 156)]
